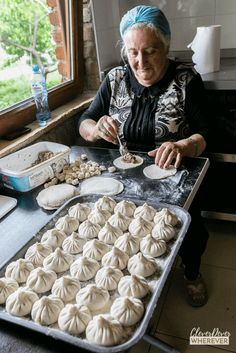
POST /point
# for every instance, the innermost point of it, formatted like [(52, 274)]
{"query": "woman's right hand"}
[(106, 128)]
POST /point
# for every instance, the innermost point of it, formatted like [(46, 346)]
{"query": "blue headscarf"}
[(145, 14)]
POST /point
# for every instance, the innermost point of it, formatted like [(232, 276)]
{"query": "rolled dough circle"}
[(101, 185), (155, 172), (120, 164)]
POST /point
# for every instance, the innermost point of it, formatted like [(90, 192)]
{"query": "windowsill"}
[(59, 115)]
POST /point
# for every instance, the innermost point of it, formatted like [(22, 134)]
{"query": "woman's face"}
[(146, 55)]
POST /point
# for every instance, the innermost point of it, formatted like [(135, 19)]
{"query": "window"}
[(33, 32)]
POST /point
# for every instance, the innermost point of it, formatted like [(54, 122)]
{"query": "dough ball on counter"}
[(73, 244), (19, 270), (21, 301), (167, 216), (66, 288), (7, 287), (115, 257), (133, 286), (99, 216), (95, 249), (84, 268), (164, 231), (89, 230), (106, 203), (140, 227), (41, 280), (74, 318), (146, 211), (58, 261), (108, 277), (67, 224), (142, 265), (109, 234), (128, 243), (93, 297), (37, 252), (79, 211), (127, 310), (120, 221), (152, 247), (53, 237), (105, 330), (46, 310), (125, 207)]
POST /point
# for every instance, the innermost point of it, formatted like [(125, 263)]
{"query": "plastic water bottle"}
[(40, 95)]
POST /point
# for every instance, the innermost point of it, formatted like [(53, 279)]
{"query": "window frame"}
[(23, 113)]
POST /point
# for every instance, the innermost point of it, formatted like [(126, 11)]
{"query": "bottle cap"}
[(35, 68)]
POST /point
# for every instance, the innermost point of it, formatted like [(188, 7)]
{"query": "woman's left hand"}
[(169, 153)]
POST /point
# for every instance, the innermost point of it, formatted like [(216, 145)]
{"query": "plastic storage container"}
[(17, 172)]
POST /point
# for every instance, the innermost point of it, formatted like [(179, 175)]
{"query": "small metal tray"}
[(165, 262)]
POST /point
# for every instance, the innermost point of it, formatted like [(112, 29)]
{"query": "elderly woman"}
[(155, 105)]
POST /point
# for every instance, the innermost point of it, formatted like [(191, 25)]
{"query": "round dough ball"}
[(116, 258), (125, 207), (140, 227), (58, 261), (106, 203), (167, 216), (133, 286), (37, 253), (79, 211), (128, 243), (53, 237), (89, 230), (19, 270), (95, 249), (152, 247), (66, 288), (74, 318), (41, 280), (73, 244), (108, 234), (93, 297), (142, 265), (84, 268), (145, 211), (120, 221), (67, 224), (7, 287), (164, 231), (108, 277), (20, 302), (127, 310), (46, 310)]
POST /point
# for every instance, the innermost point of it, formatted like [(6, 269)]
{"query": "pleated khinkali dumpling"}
[(108, 277), (140, 227), (152, 247), (74, 318), (19, 270), (67, 224), (99, 216), (145, 211), (93, 297), (79, 211), (95, 249), (89, 230), (84, 268), (120, 221), (164, 231), (125, 207), (105, 331), (127, 310), (58, 261), (41, 280), (169, 217), (7, 287), (133, 286), (115, 257), (73, 244), (46, 310), (53, 237), (128, 243), (108, 234), (142, 265), (37, 253), (20, 302), (66, 288), (106, 203)]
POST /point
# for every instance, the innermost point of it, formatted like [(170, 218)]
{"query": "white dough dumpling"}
[(140, 227), (53, 237), (66, 288), (142, 265), (20, 302), (93, 297), (95, 249), (108, 234), (84, 268), (146, 211), (7, 287), (37, 253), (67, 224), (108, 277), (46, 310), (99, 216), (74, 318), (58, 261), (128, 243), (127, 310), (73, 244), (19, 270), (164, 231), (125, 207), (152, 247), (79, 211), (133, 286), (169, 217), (88, 230), (120, 221), (115, 257), (106, 203), (41, 280), (105, 331)]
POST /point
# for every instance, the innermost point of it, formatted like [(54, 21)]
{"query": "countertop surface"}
[(24, 221)]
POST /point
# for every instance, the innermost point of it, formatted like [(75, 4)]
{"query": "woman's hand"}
[(106, 129), (169, 153)]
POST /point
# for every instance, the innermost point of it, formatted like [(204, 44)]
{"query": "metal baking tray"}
[(166, 262)]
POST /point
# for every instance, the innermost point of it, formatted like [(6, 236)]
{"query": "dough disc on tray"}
[(54, 196), (101, 185), (155, 172), (120, 164)]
